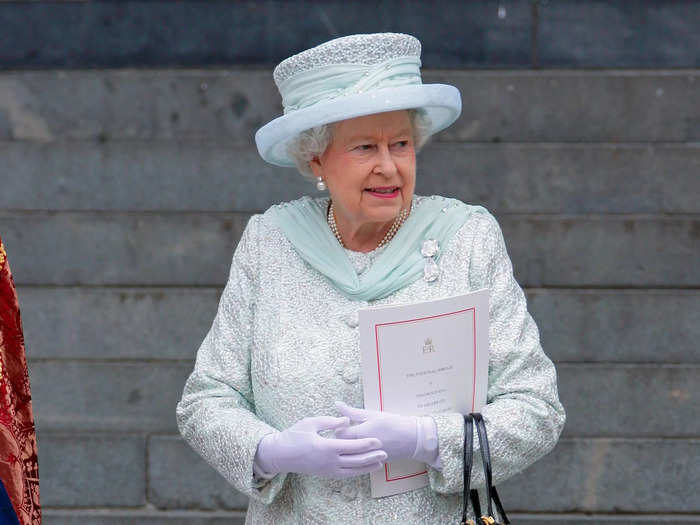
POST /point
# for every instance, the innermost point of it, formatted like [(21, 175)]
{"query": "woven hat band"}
[(329, 82)]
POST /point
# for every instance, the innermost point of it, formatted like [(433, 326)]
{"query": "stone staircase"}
[(128, 172)]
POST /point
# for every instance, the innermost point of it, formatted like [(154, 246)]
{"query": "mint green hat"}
[(350, 77)]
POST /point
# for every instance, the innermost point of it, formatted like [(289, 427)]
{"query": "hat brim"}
[(441, 102)]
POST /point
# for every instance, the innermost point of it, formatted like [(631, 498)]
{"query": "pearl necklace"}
[(400, 219)]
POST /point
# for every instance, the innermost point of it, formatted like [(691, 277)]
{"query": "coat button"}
[(352, 320), (350, 374)]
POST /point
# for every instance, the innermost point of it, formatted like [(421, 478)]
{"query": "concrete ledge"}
[(564, 178), (92, 396), (603, 251), (580, 475), (106, 248), (147, 517), (593, 34), (202, 33), (116, 323), (179, 479), (603, 519), (630, 400), (574, 105), (92, 470), (215, 176), (121, 248), (231, 104), (610, 475), (633, 326), (601, 400), (637, 326), (97, 517)]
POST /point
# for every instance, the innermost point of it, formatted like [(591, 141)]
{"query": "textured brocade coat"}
[(284, 345)]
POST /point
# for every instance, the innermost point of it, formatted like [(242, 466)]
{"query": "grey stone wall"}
[(120, 220), (123, 193), (456, 33)]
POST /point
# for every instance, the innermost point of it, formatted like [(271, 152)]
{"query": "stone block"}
[(603, 251), (609, 34), (610, 476), (106, 105), (117, 517), (116, 323), (98, 248), (564, 178), (229, 105), (178, 478), (213, 176), (633, 326), (574, 105), (145, 517), (643, 400), (92, 470), (630, 400), (106, 248), (107, 396), (84, 175), (202, 33), (603, 519)]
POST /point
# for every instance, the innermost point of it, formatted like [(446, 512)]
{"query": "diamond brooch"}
[(430, 250)]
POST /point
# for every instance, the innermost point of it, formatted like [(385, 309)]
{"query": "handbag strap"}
[(474, 496), (485, 457), (468, 458), (491, 493)]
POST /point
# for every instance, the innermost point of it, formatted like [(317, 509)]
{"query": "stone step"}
[(565, 33), (601, 33), (140, 396), (124, 396), (633, 326), (571, 486), (92, 470), (149, 517), (229, 105), (629, 400), (142, 248), (117, 323), (580, 475), (202, 175), (180, 479), (618, 325), (610, 475), (576, 476), (55, 516)]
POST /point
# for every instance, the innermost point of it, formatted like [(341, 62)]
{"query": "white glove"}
[(301, 449), (402, 437)]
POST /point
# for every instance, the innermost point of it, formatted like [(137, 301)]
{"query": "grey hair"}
[(313, 142)]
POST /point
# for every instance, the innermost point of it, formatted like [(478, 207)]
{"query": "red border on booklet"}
[(379, 369)]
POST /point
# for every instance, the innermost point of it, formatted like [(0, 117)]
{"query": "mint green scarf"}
[(304, 223)]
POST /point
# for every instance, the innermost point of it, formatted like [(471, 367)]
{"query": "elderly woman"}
[(274, 401)]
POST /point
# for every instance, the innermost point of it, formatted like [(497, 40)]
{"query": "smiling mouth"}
[(386, 190)]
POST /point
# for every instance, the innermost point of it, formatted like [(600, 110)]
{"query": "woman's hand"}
[(402, 437), (301, 449)]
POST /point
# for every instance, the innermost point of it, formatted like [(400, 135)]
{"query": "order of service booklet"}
[(419, 359)]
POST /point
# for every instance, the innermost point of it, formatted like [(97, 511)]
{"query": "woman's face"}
[(369, 168)]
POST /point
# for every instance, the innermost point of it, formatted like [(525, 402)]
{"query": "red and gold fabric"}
[(19, 469)]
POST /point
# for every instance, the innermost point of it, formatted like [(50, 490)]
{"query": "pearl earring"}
[(320, 185)]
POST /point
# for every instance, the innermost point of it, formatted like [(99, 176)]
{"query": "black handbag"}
[(472, 494)]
